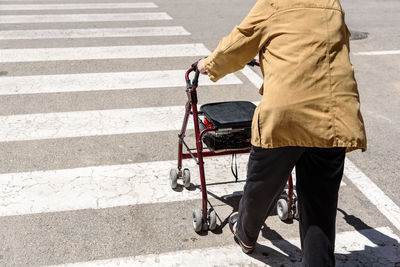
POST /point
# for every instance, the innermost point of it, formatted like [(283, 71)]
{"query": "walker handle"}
[(196, 76), (195, 82)]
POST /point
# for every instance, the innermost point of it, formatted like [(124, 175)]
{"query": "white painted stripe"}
[(111, 186), (93, 33), (253, 77), (355, 248), (101, 81), (377, 53), (76, 6), (55, 1), (90, 123), (105, 52), (84, 17), (373, 193)]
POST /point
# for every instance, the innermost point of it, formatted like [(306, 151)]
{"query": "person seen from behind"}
[(308, 118)]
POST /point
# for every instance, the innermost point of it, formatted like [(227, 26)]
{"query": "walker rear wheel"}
[(186, 178), (212, 219), (282, 209), (296, 213)]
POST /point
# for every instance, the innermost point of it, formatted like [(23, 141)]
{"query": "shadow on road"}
[(384, 248), (383, 251)]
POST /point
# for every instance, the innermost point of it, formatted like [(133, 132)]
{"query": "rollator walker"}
[(225, 129)]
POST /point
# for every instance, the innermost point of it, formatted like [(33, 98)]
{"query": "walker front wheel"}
[(173, 178), (197, 220)]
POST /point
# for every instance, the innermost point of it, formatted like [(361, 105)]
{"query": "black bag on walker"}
[(217, 141), (225, 117)]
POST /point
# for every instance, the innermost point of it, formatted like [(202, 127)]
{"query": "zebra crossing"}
[(28, 199)]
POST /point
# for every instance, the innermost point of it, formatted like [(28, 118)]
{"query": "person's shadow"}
[(384, 250)]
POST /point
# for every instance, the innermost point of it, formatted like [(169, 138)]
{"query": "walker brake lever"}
[(194, 65), (253, 63)]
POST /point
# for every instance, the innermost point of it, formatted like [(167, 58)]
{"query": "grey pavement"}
[(149, 229)]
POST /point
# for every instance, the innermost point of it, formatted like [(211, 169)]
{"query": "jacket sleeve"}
[(242, 44)]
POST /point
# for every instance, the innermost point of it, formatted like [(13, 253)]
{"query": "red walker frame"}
[(206, 218)]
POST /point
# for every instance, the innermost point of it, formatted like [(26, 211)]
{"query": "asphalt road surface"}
[(92, 97)]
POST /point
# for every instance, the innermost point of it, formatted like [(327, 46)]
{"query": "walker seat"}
[(233, 114)]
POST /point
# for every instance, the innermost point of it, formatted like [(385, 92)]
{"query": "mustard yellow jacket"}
[(310, 95)]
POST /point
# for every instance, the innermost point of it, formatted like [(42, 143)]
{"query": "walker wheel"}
[(197, 221), (282, 209), (212, 219), (173, 178), (186, 178)]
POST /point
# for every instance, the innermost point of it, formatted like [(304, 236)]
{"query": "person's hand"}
[(201, 67)]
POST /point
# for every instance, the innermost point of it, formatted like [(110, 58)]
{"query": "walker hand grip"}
[(196, 76), (187, 79), (189, 84)]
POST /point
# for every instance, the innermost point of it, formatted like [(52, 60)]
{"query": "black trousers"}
[(319, 172)]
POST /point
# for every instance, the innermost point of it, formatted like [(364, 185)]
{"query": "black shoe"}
[(232, 221)]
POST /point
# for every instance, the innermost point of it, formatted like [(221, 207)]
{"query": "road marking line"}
[(93, 33), (28, 1), (84, 17), (105, 52), (111, 186), (379, 117), (377, 53), (98, 187), (37, 84), (253, 77), (373, 193), (90, 123), (352, 248), (76, 6)]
